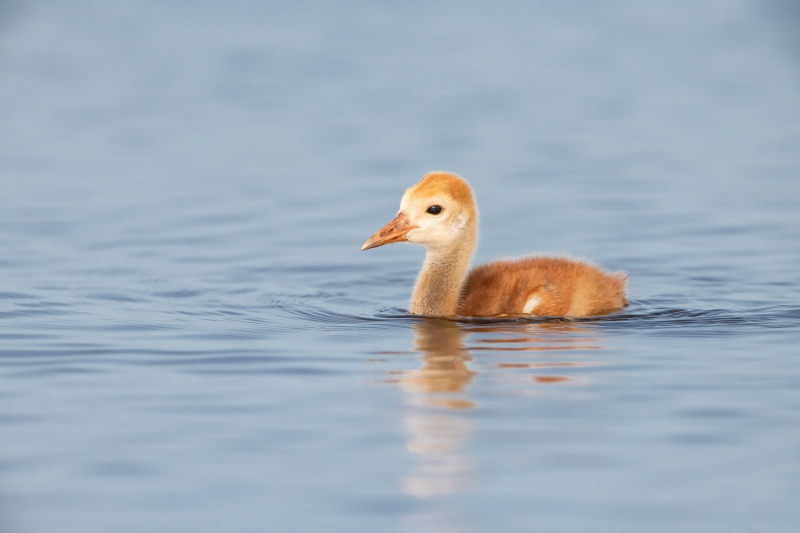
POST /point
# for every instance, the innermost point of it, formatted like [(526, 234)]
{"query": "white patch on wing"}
[(531, 304)]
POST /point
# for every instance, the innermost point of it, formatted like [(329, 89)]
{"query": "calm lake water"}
[(191, 340)]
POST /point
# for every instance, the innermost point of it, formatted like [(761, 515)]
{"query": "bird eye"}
[(434, 209)]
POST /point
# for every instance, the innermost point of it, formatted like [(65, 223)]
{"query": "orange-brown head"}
[(437, 212)]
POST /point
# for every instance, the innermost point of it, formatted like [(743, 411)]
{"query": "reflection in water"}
[(438, 424), (522, 359), (444, 367), (438, 439)]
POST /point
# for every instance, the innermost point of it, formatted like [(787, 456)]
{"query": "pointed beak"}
[(395, 231)]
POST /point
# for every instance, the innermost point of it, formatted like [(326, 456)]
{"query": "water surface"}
[(191, 340)]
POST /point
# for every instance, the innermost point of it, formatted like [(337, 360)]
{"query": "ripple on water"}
[(16, 296), (511, 348), (693, 322), (315, 309)]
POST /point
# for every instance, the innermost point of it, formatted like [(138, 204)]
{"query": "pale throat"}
[(438, 288)]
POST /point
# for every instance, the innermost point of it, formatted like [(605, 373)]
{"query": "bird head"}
[(437, 212)]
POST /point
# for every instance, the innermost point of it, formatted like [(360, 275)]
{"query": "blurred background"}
[(191, 339)]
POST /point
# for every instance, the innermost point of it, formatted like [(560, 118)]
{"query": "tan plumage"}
[(440, 213)]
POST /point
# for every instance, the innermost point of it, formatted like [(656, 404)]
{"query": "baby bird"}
[(440, 213)]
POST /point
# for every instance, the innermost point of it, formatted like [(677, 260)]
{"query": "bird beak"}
[(395, 231)]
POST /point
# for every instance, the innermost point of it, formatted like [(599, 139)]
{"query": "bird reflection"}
[(524, 359), (438, 422), (444, 368), (438, 438)]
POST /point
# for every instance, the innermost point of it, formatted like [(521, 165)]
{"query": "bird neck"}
[(438, 288)]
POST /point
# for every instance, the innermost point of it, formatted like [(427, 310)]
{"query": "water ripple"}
[(692, 321)]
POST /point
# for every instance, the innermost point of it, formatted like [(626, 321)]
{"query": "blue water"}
[(191, 340)]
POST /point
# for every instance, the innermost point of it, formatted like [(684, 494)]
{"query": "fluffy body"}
[(539, 285)]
